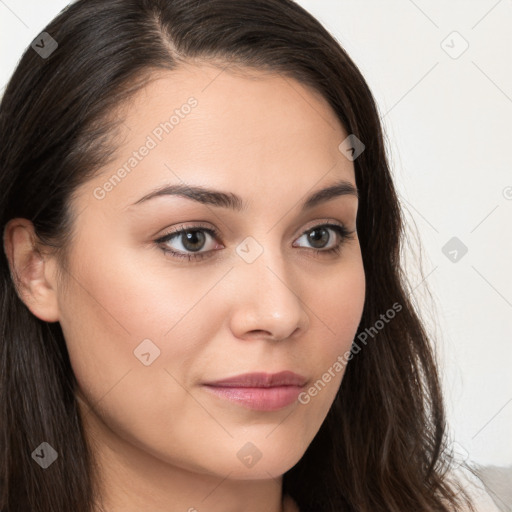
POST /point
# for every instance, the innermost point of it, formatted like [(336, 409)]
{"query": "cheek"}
[(334, 305), (124, 323), (337, 306), (336, 309)]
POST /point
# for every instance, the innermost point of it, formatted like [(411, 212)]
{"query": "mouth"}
[(259, 391)]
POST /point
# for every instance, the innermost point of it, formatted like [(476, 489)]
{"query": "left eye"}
[(193, 239), (320, 235)]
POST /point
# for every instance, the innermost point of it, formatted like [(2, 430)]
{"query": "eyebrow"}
[(230, 200)]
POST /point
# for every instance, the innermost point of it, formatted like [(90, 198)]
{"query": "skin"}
[(162, 441)]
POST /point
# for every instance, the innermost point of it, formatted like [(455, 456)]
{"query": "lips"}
[(259, 391), (261, 380)]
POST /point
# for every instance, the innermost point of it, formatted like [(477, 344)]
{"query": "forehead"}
[(244, 130)]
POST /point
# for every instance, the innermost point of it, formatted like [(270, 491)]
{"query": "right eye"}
[(191, 239)]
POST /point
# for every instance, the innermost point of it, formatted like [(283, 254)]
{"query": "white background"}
[(448, 124)]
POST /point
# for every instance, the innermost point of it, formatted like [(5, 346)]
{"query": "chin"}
[(251, 463)]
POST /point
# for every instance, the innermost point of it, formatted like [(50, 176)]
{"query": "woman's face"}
[(148, 330)]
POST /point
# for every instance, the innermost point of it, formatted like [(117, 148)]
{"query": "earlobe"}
[(31, 270)]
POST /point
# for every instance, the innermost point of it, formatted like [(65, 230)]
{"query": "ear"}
[(32, 271)]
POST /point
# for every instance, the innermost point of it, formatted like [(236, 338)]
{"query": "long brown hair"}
[(382, 446)]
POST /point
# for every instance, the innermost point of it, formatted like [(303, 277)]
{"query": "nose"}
[(265, 302)]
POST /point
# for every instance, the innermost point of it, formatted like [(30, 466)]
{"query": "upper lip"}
[(261, 380)]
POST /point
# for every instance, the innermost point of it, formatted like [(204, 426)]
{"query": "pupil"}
[(193, 238)]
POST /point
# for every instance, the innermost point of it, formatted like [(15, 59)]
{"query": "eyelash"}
[(341, 230)]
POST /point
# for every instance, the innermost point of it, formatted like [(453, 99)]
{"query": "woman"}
[(203, 306)]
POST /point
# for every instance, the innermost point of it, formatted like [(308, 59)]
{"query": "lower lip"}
[(260, 399)]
